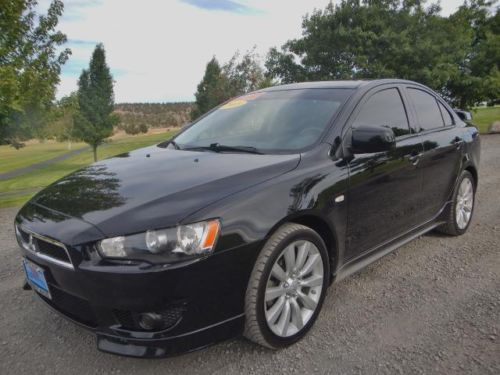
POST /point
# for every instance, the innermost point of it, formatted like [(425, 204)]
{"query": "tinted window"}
[(428, 114), (448, 120), (385, 108), (272, 120)]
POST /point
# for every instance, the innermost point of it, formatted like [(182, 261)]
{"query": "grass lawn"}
[(482, 117), (32, 153), (29, 183)]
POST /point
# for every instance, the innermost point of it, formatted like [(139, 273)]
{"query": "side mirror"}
[(464, 115), (368, 139)]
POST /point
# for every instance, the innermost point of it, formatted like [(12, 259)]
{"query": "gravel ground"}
[(433, 306)]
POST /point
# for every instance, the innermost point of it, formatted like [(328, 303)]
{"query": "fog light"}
[(150, 321)]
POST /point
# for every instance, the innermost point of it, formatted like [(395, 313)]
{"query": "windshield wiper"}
[(217, 147)]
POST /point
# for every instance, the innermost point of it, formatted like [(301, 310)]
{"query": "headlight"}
[(169, 245)]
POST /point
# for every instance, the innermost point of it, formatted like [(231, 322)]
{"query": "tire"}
[(454, 226), (304, 288)]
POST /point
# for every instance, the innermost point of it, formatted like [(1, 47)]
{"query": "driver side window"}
[(384, 108)]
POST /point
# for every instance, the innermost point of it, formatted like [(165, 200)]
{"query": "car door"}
[(443, 143), (385, 187)]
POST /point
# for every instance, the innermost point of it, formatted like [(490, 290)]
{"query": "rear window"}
[(447, 118), (426, 106)]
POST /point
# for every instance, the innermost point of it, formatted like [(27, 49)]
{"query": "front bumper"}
[(179, 344), (105, 297)]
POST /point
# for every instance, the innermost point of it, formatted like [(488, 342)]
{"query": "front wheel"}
[(287, 287), (462, 206)]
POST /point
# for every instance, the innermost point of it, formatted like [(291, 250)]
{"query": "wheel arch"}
[(473, 171), (320, 225)]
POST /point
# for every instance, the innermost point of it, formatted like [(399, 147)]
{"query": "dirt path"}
[(42, 164), (431, 307)]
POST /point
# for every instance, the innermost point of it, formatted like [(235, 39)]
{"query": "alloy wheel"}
[(464, 203), (293, 288)]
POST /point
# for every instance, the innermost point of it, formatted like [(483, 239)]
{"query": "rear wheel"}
[(462, 206), (287, 287)]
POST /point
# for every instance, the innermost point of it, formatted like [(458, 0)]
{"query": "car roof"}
[(337, 84)]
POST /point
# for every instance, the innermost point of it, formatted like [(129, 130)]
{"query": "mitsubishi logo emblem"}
[(31, 244)]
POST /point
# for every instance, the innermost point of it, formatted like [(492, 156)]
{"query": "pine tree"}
[(240, 75), (210, 91), (94, 121)]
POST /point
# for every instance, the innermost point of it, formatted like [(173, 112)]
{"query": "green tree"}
[(241, 74), (244, 74), (94, 120), (478, 76), (61, 126), (395, 38), (30, 66), (210, 91)]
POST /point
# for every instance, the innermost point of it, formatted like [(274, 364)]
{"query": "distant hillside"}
[(137, 118)]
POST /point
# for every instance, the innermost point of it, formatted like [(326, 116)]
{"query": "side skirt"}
[(356, 264)]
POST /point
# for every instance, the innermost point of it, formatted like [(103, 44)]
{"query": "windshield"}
[(274, 120)]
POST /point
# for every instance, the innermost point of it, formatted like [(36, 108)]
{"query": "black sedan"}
[(240, 223)]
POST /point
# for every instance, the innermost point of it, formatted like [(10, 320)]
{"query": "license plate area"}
[(35, 275)]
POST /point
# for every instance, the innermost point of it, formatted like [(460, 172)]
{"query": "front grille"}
[(44, 247), (51, 250), (130, 320), (24, 236), (72, 306)]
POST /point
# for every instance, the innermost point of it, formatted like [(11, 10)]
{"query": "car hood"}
[(156, 187)]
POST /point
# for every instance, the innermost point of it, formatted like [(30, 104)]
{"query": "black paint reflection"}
[(301, 198), (90, 189), (384, 188), (398, 132), (33, 213), (430, 145), (124, 155)]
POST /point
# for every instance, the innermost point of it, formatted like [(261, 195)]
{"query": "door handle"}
[(413, 158), (458, 142)]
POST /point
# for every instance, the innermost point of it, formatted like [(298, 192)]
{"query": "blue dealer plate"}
[(36, 278)]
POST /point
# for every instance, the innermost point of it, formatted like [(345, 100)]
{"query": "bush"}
[(134, 129)]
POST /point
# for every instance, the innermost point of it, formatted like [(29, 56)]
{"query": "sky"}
[(158, 49)]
